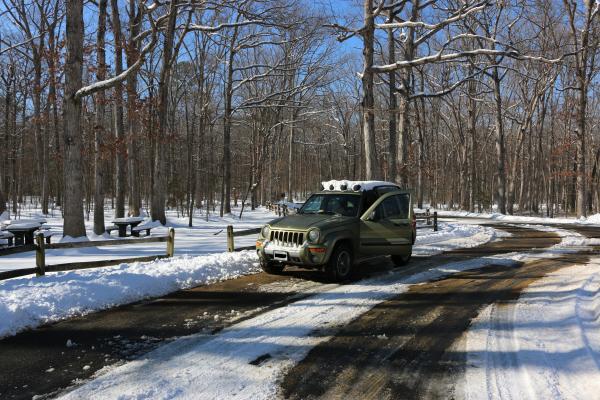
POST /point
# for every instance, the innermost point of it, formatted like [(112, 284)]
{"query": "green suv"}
[(344, 223)]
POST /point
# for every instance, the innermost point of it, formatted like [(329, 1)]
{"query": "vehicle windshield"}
[(346, 205)]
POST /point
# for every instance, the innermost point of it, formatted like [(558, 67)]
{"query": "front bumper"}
[(304, 255)]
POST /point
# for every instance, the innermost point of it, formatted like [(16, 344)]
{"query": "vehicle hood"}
[(305, 221)]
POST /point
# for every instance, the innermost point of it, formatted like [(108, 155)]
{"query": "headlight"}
[(265, 231), (314, 235)]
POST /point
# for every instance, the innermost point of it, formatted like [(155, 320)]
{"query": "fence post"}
[(230, 244), (435, 225), (171, 243), (428, 217), (40, 255)]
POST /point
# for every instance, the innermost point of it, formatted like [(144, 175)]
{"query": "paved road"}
[(39, 362)]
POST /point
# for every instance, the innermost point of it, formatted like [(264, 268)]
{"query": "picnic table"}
[(9, 237), (123, 223), (7, 222), (23, 231)]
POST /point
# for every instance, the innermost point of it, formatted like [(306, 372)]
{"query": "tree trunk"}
[(581, 170), (121, 150), (392, 126), (99, 168), (226, 190), (472, 127), (4, 175), (52, 101), (74, 225), (290, 162), (42, 171), (133, 54), (368, 97), (159, 188), (500, 145)]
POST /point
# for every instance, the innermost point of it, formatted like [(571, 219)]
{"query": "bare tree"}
[(584, 40)]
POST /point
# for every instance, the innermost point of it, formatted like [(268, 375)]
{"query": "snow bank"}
[(594, 219), (546, 346), (453, 236), (30, 302)]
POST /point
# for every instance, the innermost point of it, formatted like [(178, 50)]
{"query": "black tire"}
[(340, 265), (272, 268), (400, 261)]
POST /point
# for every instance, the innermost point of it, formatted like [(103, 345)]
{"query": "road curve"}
[(408, 347)]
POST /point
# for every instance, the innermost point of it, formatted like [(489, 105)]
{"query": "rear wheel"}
[(271, 267), (339, 267), (400, 261)]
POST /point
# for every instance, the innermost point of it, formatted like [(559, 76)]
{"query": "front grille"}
[(287, 238)]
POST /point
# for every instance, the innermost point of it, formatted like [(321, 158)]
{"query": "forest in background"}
[(201, 104)]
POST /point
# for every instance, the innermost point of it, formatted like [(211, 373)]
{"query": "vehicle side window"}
[(379, 213), (403, 201), (391, 208), (370, 198)]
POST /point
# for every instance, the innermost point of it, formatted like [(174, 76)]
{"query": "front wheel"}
[(272, 268), (339, 267), (400, 261)]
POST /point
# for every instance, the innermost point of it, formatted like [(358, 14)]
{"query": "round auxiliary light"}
[(344, 186), (356, 188), (266, 230), (314, 235), (331, 187)]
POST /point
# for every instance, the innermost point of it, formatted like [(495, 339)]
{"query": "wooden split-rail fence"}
[(281, 210), (231, 235), (40, 254), (430, 219)]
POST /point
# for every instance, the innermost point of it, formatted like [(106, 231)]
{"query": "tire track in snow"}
[(426, 359), (545, 344)]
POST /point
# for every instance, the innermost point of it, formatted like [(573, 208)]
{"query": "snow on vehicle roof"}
[(354, 185)]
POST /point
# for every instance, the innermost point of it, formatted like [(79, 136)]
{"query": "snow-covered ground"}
[(546, 346), (593, 219), (452, 236), (204, 238), (30, 301), (221, 366)]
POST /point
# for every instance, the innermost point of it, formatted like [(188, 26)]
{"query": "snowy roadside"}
[(226, 366), (30, 302), (591, 220), (546, 345)]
